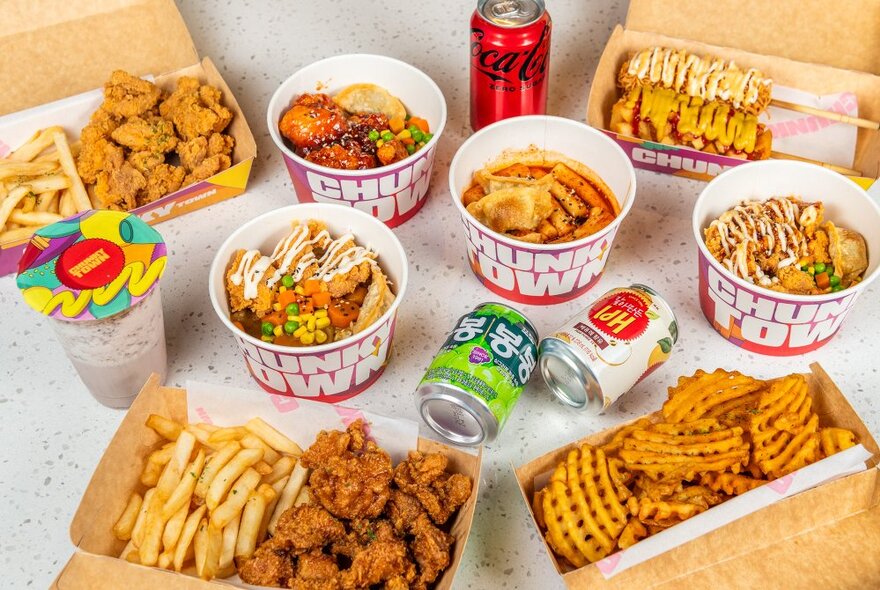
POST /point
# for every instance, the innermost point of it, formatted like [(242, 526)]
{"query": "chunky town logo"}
[(339, 372), (533, 273), (511, 70), (387, 196), (765, 324)]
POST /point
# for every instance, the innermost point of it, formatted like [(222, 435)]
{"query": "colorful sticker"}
[(91, 266)]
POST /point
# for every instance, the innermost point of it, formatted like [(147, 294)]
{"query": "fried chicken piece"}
[(403, 510), (145, 162), (306, 527), (424, 476), (380, 561), (150, 134), (359, 127), (316, 571), (262, 303), (391, 151), (195, 109), (363, 532), (430, 548), (208, 168), (349, 481), (162, 180), (97, 154), (269, 566), (341, 157), (117, 187), (313, 120), (193, 152), (128, 96)]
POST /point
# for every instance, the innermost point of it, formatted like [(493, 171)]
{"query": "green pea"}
[(267, 328), (413, 130), (804, 268), (428, 137), (291, 327), (417, 135), (287, 281), (387, 136), (834, 280), (411, 149), (836, 288), (820, 267), (373, 135), (292, 309)]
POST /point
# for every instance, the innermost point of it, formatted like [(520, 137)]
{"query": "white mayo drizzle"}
[(773, 226), (335, 260), (290, 248), (709, 79), (250, 269)]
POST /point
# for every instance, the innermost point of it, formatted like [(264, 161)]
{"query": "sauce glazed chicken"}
[(362, 127)]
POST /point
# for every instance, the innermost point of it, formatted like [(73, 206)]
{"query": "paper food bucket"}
[(770, 322), (330, 372), (392, 193), (540, 274)]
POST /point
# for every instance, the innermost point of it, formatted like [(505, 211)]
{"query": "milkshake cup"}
[(96, 275)]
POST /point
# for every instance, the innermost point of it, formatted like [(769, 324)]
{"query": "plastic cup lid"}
[(91, 266)]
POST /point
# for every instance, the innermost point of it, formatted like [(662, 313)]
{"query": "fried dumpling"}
[(520, 208)]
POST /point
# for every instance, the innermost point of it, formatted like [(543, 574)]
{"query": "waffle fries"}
[(719, 435), (583, 515)]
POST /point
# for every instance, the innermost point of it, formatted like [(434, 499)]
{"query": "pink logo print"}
[(284, 403), (349, 415), (608, 565), (781, 485), (202, 413)]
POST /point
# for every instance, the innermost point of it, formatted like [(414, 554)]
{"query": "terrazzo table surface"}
[(53, 433)]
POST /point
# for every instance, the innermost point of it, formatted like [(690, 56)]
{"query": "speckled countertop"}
[(53, 433)]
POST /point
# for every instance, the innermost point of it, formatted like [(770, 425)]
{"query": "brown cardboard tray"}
[(787, 544), (95, 564)]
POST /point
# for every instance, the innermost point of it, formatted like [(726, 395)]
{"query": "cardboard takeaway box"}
[(56, 56), (95, 565), (825, 537), (795, 42)]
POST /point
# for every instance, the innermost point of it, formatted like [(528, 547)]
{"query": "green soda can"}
[(475, 380)]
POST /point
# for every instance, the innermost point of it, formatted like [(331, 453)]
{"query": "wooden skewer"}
[(832, 115), (840, 169)]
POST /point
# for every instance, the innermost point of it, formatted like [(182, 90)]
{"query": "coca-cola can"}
[(510, 60)]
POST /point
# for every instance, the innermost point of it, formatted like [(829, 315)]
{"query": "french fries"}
[(40, 185), (210, 494)]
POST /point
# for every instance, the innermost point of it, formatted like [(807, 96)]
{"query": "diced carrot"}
[(342, 313), (420, 123), (238, 325), (823, 281), (321, 298), (276, 317), (395, 124), (408, 141), (286, 340), (287, 297), (311, 286)]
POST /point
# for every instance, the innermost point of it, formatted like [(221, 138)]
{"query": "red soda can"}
[(510, 60)]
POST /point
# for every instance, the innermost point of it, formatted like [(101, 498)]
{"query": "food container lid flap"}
[(801, 30), (51, 50)]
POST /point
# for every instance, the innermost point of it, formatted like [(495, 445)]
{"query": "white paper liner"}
[(809, 136), (834, 467), (300, 419)]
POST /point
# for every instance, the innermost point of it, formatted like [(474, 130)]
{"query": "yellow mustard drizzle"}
[(701, 120)]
